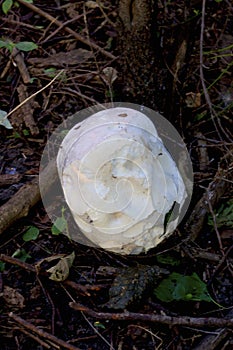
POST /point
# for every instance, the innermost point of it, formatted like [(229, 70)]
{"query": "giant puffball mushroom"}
[(119, 181)]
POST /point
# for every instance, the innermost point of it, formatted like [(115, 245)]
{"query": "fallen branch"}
[(169, 320), (49, 337), (19, 205)]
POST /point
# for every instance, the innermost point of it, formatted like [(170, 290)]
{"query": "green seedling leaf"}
[(59, 226), (6, 6), (99, 325), (61, 270), (26, 46), (223, 216), (31, 234), (179, 287), (4, 121), (2, 44), (2, 266), (9, 45), (167, 259), (21, 254), (51, 72), (29, 1), (26, 132)]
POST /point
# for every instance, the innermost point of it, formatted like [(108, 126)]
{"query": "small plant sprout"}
[(22, 45)]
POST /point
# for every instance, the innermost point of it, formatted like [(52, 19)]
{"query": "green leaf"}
[(2, 266), (223, 215), (99, 325), (3, 44), (29, 1), (59, 226), (4, 121), (6, 6), (167, 259), (179, 287), (21, 254), (31, 234), (26, 132), (51, 72), (26, 46)]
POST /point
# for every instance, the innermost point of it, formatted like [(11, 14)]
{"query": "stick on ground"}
[(163, 319), (19, 205)]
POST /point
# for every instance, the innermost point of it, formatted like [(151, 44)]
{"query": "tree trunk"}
[(143, 73)]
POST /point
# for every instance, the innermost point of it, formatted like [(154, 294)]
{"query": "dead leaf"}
[(49, 259), (193, 100), (35, 292), (61, 270), (109, 75), (91, 4), (227, 234), (13, 298)]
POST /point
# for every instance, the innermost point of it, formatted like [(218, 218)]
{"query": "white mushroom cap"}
[(119, 180)]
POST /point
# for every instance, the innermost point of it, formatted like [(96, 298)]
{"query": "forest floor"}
[(37, 312)]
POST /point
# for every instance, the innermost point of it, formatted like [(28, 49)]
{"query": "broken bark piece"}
[(130, 284), (18, 58), (27, 109), (60, 59), (19, 205)]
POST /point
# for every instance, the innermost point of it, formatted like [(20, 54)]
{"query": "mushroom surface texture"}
[(120, 182)]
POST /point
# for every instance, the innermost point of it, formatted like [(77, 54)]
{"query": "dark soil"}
[(31, 294)]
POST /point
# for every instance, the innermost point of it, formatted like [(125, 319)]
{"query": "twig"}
[(215, 225), (62, 26), (47, 295), (210, 342), (169, 320), (33, 95), (75, 286), (198, 253), (206, 94), (67, 29), (41, 342), (27, 109), (96, 331), (216, 189), (17, 262), (83, 289), (41, 333)]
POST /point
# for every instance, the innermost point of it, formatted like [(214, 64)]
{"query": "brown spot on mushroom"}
[(123, 115)]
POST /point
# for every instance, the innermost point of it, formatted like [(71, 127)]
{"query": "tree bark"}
[(140, 60)]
